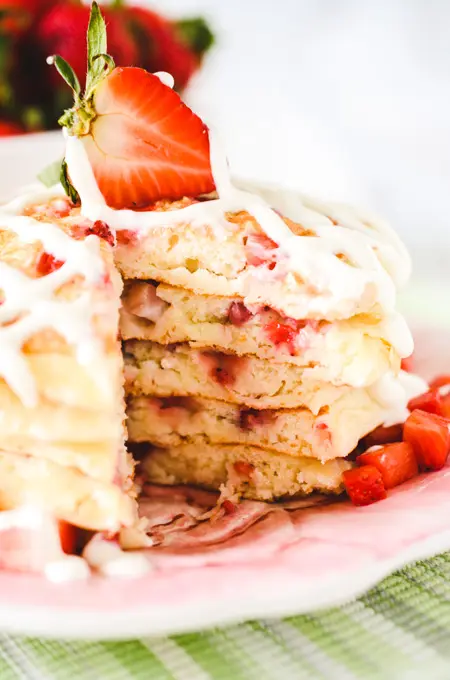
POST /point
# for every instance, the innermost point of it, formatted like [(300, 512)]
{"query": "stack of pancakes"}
[(230, 382), (61, 391)]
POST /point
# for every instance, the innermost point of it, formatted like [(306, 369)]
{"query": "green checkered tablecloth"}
[(400, 630)]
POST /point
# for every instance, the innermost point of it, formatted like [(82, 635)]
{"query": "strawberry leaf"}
[(67, 185), (66, 72), (50, 175), (96, 46)]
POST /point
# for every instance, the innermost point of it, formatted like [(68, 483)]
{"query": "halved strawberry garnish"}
[(364, 485), (47, 264), (142, 141), (430, 401), (429, 436), (396, 462)]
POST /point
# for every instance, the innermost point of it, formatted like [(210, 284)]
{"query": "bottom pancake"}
[(63, 492), (247, 470)]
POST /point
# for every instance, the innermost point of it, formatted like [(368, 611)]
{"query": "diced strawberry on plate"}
[(429, 436), (364, 485), (384, 435), (430, 401), (396, 463)]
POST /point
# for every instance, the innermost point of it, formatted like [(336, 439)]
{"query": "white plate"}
[(286, 564)]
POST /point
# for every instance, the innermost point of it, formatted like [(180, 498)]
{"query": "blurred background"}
[(344, 99)]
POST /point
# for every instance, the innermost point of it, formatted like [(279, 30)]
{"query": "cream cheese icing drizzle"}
[(32, 301), (375, 256)]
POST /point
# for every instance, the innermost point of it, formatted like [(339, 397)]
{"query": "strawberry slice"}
[(396, 462), (145, 144), (142, 141), (429, 436), (430, 401), (364, 485)]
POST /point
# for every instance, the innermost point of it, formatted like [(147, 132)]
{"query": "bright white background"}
[(347, 99)]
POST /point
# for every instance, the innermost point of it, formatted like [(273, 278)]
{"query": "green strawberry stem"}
[(196, 34), (78, 118)]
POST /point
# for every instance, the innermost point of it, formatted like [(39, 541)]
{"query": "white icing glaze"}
[(165, 78), (377, 257), (68, 568), (394, 392), (107, 558), (32, 301)]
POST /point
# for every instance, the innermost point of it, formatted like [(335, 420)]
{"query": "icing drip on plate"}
[(30, 304)]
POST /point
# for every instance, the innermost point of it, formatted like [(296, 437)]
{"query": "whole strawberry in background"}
[(31, 95)]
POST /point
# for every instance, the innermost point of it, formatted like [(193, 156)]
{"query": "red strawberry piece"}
[(222, 367), (126, 237), (396, 462), (445, 406), (322, 431), (364, 485), (283, 333), (429, 436), (47, 264), (250, 418), (407, 364), (383, 435), (259, 250), (430, 401), (229, 507), (440, 381), (243, 468), (101, 229), (238, 314), (68, 537)]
